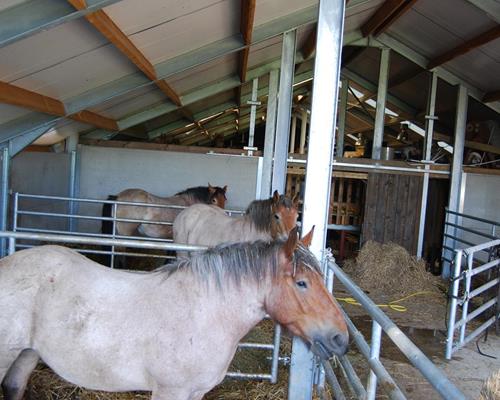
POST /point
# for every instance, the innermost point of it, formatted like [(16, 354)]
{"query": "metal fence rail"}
[(273, 347), (378, 373), (71, 216), (462, 282), (465, 230)]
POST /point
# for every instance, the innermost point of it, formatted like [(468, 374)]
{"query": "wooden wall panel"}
[(392, 209)]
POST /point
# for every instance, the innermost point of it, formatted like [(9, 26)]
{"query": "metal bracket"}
[(433, 117), (253, 103)]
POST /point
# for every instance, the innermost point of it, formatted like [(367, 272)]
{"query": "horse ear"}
[(211, 189), (224, 189), (291, 243), (276, 196), (295, 200), (307, 239)]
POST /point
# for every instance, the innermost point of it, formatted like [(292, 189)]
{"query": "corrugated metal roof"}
[(200, 41)]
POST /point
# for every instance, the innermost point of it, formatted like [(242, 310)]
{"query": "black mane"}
[(202, 194)]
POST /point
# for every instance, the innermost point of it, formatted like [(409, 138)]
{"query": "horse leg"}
[(15, 381), (162, 393)]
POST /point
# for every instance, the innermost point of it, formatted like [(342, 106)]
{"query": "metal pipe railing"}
[(144, 244), (468, 216), (417, 358)]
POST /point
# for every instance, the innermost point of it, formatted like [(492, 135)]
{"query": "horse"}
[(213, 195), (172, 331), (206, 225)]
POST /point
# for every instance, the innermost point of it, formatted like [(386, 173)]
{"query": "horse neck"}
[(250, 232), (239, 308)]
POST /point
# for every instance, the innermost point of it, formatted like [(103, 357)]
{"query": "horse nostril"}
[(340, 342)]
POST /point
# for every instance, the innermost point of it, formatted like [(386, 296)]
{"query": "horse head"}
[(217, 195), (284, 215), (302, 304)]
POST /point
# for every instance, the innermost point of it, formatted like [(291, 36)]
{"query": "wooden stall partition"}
[(392, 209)]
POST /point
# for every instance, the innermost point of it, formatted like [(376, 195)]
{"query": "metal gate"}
[(469, 264), (26, 235)]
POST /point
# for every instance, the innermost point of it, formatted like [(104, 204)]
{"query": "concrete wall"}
[(481, 199), (41, 174), (105, 171)]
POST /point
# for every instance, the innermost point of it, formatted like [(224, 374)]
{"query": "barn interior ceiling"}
[(181, 72)]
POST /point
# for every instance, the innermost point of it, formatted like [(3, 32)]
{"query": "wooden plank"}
[(398, 13), (104, 24), (370, 206), (247, 16), (18, 96), (95, 119), (380, 16), (471, 44), (391, 199), (340, 201), (346, 219), (490, 97)]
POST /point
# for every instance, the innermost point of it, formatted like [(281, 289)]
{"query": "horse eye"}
[(276, 216), (301, 284)]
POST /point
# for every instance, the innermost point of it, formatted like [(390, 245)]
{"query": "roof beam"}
[(443, 73), (246, 28), (104, 24), (491, 96), (490, 7), (31, 17), (471, 44), (18, 96), (385, 15)]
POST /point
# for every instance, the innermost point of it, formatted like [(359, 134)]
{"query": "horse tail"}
[(107, 225)]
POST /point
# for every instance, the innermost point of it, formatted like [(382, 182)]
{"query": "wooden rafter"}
[(247, 16), (18, 96), (385, 16), (471, 44), (492, 96), (104, 24)]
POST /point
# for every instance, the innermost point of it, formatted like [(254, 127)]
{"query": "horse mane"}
[(237, 262), (259, 212), (201, 193)]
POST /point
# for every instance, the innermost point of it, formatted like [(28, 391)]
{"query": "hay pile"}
[(491, 387), (390, 270)]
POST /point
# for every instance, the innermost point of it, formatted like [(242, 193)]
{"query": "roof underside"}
[(52, 49)]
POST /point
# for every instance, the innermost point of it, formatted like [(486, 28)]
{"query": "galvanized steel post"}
[(371, 387), (344, 92), (293, 131), (378, 130), (267, 165), (4, 197), (72, 189), (319, 164), (303, 132), (284, 111), (456, 167), (429, 130), (253, 109)]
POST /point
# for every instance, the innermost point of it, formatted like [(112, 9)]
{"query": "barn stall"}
[(97, 97)]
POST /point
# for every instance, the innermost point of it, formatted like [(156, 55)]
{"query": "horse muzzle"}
[(325, 346)]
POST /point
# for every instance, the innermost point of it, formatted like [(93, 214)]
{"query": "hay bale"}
[(491, 387), (389, 269)]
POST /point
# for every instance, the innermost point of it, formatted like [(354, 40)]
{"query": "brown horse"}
[(173, 331), (212, 195), (266, 220)]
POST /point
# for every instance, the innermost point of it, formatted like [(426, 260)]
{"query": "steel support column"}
[(456, 167), (284, 110), (267, 164), (293, 131), (253, 109), (72, 206), (344, 91), (319, 164), (378, 131), (429, 130), (303, 132), (4, 197)]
